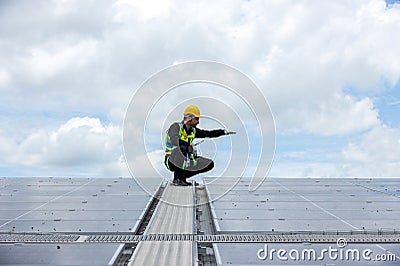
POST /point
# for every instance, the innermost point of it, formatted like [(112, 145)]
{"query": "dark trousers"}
[(203, 165)]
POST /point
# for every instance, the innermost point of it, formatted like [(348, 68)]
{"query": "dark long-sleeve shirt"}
[(184, 146)]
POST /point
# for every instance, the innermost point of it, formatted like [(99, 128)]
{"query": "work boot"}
[(177, 178), (186, 183), (182, 183)]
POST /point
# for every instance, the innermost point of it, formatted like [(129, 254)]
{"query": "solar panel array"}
[(300, 204), (84, 205), (68, 205), (305, 204), (307, 254)]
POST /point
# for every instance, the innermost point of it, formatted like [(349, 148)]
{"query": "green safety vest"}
[(182, 136)]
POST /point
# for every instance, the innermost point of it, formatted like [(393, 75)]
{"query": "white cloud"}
[(307, 58), (341, 115), (146, 9), (79, 142), (48, 62), (377, 153), (327, 48), (148, 165), (4, 78), (288, 48), (336, 115)]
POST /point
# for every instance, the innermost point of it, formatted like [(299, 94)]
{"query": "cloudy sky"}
[(330, 71)]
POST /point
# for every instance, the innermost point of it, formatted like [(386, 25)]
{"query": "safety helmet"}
[(192, 110)]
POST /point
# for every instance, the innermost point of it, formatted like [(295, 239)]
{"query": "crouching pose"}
[(180, 157)]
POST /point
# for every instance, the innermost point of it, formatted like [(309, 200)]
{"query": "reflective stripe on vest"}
[(182, 136)]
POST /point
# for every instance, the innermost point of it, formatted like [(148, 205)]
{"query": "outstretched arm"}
[(202, 133)]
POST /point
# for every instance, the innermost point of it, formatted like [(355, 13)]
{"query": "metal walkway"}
[(169, 219)]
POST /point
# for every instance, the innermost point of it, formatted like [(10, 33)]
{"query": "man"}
[(180, 156)]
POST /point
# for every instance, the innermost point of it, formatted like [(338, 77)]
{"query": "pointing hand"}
[(229, 132)]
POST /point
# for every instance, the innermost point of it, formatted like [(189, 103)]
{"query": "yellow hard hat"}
[(192, 110)]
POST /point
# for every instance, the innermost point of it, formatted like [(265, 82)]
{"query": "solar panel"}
[(57, 254), (307, 204), (68, 205), (305, 254), (106, 210)]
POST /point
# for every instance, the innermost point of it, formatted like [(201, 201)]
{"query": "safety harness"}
[(184, 136)]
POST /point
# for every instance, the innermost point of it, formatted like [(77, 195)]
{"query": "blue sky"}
[(391, 2), (330, 72)]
